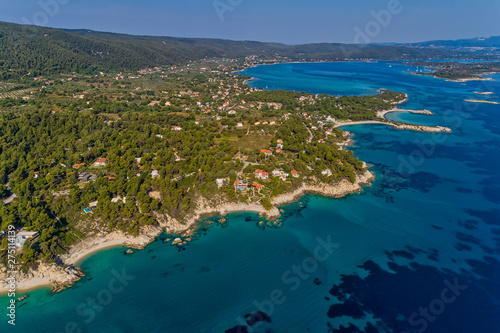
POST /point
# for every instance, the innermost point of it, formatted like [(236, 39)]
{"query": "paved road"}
[(310, 134), (11, 197)]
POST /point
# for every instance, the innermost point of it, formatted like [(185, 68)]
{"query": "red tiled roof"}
[(257, 186)]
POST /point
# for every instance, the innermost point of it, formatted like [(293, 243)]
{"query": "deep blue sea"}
[(418, 251)]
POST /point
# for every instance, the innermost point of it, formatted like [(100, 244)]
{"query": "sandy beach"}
[(60, 275)]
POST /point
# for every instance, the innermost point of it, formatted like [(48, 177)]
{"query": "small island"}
[(481, 101)]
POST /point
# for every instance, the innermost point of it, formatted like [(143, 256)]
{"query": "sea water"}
[(418, 251)]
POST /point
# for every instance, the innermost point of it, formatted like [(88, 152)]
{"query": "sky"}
[(285, 21)]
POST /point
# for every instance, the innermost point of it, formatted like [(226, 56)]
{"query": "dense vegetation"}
[(27, 50), (167, 134), (456, 70)]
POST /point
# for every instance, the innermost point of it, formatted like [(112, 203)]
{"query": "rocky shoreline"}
[(61, 276)]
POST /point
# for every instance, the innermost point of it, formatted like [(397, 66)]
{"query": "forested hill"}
[(38, 50)]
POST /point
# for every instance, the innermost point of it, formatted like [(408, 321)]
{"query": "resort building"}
[(241, 185)]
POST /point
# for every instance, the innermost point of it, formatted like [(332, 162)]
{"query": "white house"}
[(326, 172), (101, 162), (23, 236), (222, 182)]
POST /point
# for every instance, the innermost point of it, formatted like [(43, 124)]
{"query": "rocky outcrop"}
[(43, 274), (337, 190), (422, 128)]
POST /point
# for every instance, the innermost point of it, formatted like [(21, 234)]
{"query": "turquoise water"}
[(430, 221)]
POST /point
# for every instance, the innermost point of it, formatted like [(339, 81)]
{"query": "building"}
[(101, 162), (295, 174), (36, 174), (155, 174), (258, 186), (266, 152), (222, 182), (177, 158), (239, 125), (85, 177), (241, 185), (23, 236), (326, 172), (276, 173), (77, 166), (279, 151)]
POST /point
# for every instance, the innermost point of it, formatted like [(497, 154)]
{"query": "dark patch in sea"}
[(437, 227), (434, 255), (352, 329), (468, 238), (392, 297), (204, 269), (237, 329), (404, 254), (468, 224), (257, 317), (463, 247), (491, 217), (464, 190)]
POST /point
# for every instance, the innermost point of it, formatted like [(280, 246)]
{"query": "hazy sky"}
[(287, 21)]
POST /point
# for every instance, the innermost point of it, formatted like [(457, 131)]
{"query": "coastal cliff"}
[(61, 276)]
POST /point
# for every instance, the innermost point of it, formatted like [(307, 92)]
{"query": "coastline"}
[(60, 277), (401, 126), (479, 77), (63, 276)]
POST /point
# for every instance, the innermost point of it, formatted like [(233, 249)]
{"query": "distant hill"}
[(41, 51), (482, 45)]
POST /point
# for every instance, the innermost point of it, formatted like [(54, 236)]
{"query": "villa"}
[(295, 174), (101, 162), (266, 152), (241, 185), (258, 186), (23, 236)]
